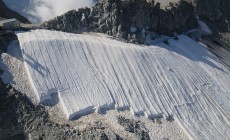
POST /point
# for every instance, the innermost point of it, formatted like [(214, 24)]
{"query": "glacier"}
[(181, 79)]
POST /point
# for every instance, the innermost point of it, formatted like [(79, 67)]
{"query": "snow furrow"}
[(182, 79)]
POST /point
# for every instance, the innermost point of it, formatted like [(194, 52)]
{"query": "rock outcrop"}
[(70, 21), (216, 13), (117, 18), (135, 127), (5, 39), (132, 19)]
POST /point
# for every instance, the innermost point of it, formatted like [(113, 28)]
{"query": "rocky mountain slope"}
[(117, 18), (5, 12), (216, 13), (131, 20)]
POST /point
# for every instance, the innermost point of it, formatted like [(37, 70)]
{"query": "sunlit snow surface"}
[(182, 79)]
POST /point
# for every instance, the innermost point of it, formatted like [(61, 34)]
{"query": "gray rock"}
[(135, 127), (5, 40), (115, 18), (216, 13), (70, 21)]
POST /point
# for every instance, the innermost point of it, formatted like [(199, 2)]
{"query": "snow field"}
[(182, 79)]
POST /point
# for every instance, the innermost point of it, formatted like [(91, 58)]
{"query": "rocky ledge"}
[(129, 20)]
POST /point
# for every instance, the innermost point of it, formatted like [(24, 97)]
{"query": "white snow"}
[(182, 79)]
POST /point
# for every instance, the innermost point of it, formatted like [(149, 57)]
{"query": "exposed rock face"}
[(212, 9), (216, 13), (116, 18), (5, 12), (134, 127), (5, 39), (70, 21)]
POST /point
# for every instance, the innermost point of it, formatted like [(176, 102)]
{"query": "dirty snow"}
[(88, 74), (159, 129)]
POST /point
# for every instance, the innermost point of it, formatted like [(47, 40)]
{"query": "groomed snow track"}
[(87, 74)]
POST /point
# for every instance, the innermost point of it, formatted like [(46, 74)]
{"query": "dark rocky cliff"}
[(216, 13), (116, 18)]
